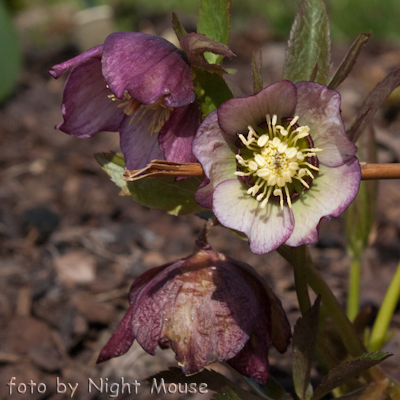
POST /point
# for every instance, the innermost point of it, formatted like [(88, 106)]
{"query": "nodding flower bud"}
[(206, 307)]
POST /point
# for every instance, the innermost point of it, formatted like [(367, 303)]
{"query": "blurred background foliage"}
[(348, 17)]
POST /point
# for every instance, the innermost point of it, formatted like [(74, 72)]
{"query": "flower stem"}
[(300, 279), (159, 168), (345, 328), (353, 305), (379, 330)]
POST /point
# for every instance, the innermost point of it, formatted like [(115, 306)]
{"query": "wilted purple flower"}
[(277, 163), (207, 307), (139, 85)]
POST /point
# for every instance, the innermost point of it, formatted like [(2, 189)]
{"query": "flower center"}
[(132, 107), (277, 159)]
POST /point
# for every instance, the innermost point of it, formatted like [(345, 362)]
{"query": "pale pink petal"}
[(266, 228), (330, 194), (216, 156), (319, 108), (236, 115)]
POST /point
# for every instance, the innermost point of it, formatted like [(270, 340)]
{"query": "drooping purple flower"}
[(139, 85), (277, 163), (207, 307)]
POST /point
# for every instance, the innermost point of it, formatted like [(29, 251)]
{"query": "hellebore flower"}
[(277, 163), (139, 85), (207, 307)]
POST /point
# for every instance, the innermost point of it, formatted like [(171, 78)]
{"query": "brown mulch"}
[(70, 247)]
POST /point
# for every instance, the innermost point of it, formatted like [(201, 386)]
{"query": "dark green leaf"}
[(373, 391), (10, 55), (304, 342), (214, 380), (271, 389), (349, 60), (338, 375), (309, 43), (371, 103), (178, 28), (257, 72), (211, 89), (176, 198), (214, 22), (227, 393)]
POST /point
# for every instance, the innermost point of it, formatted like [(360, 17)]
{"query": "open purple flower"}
[(139, 85), (277, 163), (206, 307)]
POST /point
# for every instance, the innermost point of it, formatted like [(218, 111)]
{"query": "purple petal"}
[(121, 340), (236, 115), (147, 67), (86, 107), (330, 194), (252, 361), (212, 317), (280, 327), (319, 108), (176, 136), (148, 314), (137, 145), (60, 69), (211, 149), (266, 228)]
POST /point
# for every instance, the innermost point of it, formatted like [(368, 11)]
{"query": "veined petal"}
[(137, 145), (176, 136), (330, 194), (252, 361), (121, 340), (236, 115), (147, 67), (319, 108), (266, 228), (60, 69), (86, 107), (216, 153), (212, 317)]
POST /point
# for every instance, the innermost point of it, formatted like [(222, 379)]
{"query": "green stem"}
[(345, 328), (353, 305), (381, 325), (300, 279)]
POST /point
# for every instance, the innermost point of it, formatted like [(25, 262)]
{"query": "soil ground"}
[(70, 247)]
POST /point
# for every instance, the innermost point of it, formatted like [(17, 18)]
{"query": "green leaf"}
[(309, 44), (349, 60), (211, 89), (214, 380), (371, 103), (373, 391), (227, 393), (214, 21), (257, 72), (10, 55), (272, 389), (304, 342), (340, 374), (178, 28), (176, 198)]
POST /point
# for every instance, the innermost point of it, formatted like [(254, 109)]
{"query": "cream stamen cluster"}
[(161, 113), (277, 160)]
